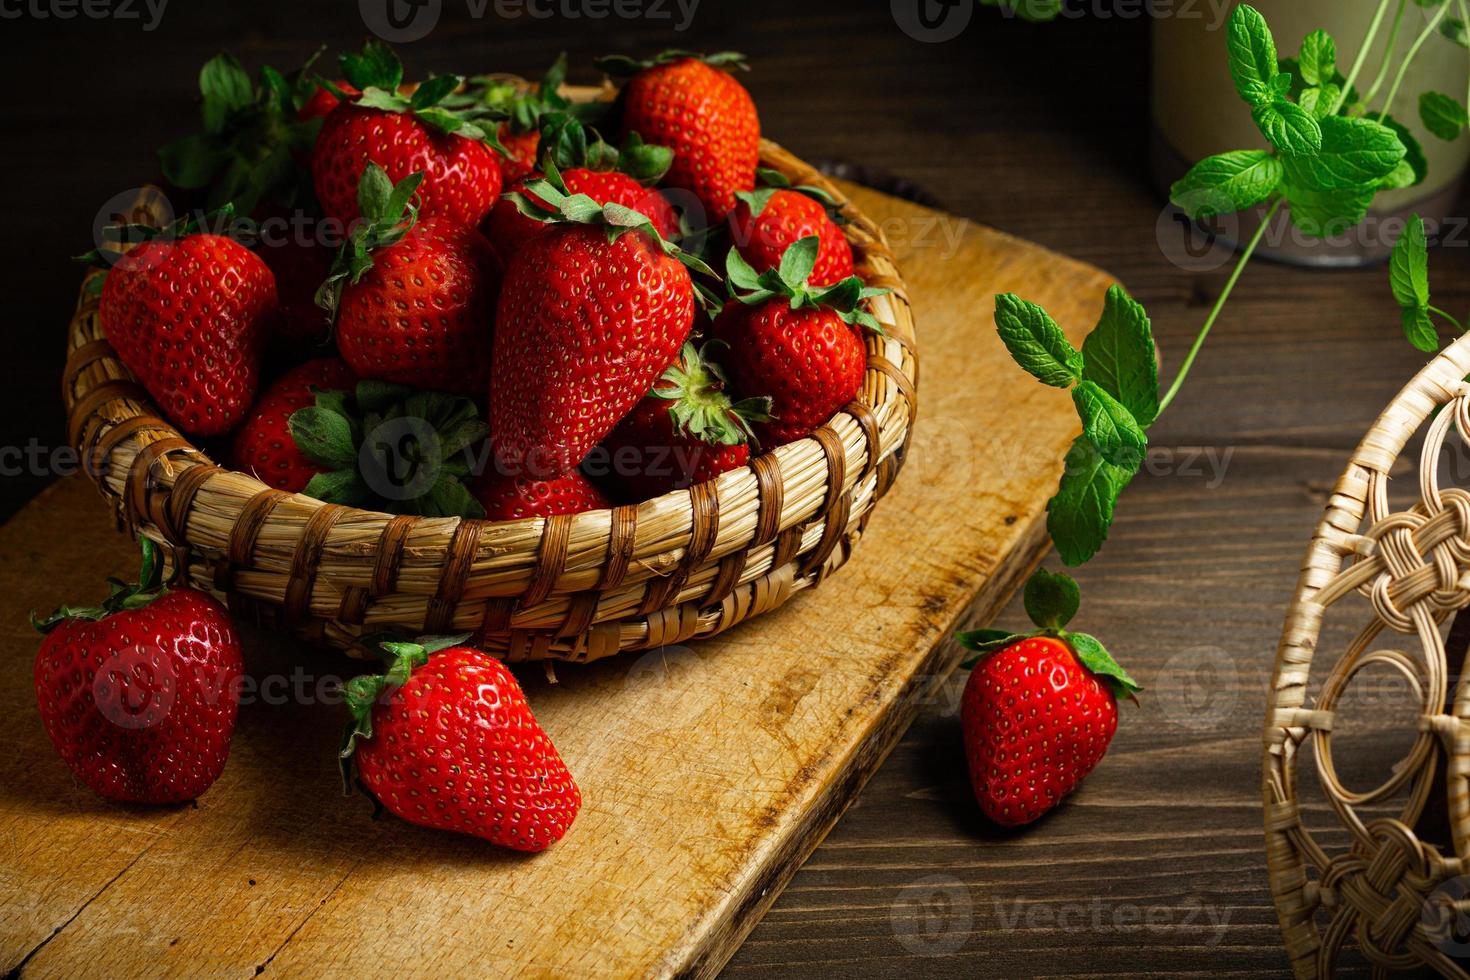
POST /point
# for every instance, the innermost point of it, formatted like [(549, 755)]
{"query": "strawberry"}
[(506, 498), (685, 430), (768, 221), (189, 317), (521, 148), (691, 104), (413, 299), (446, 740), (264, 446), (139, 694), (390, 448), (322, 100), (797, 344), (589, 315), (255, 142), (508, 229), (1040, 708), (427, 132)]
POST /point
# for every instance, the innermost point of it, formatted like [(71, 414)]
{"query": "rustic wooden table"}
[(1156, 865)]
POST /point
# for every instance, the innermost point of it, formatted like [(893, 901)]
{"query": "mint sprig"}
[(1051, 600)]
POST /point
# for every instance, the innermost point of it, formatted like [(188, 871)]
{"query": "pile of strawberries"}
[(517, 317)]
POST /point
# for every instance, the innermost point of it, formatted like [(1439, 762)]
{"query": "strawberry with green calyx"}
[(693, 104), (413, 300), (1039, 708), (189, 314), (798, 343), (139, 694), (508, 228), (524, 112), (445, 739), (391, 448), (263, 446), (685, 431), (591, 312), (426, 131), (253, 140), (766, 222)]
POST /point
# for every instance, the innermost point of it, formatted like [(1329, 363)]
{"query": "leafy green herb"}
[(1443, 115)]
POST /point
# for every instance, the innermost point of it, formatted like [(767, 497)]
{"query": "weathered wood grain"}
[(709, 772)]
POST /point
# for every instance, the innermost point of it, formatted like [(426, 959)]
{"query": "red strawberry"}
[(139, 695), (589, 315), (322, 101), (264, 446), (685, 430), (189, 317), (522, 159), (404, 135), (768, 221), (506, 498), (508, 229), (413, 304), (1040, 709), (799, 345), (706, 116), (446, 740)]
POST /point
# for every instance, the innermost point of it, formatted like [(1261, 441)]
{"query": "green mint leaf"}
[(1227, 182), (1400, 176), (1051, 599), (325, 437), (1036, 342), (1408, 267), (1330, 191), (1324, 214), (1320, 101), (1109, 426), (1095, 657), (1288, 127), (1252, 52), (1119, 356), (1443, 115), (1318, 58), (1455, 29), (1079, 515), (375, 66), (226, 89), (1413, 150), (1419, 329)]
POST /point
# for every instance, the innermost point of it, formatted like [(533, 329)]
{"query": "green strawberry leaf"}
[(1109, 426), (344, 487), (1079, 515), (1318, 58), (799, 259), (1095, 657), (192, 162), (1288, 127), (448, 497), (1227, 182), (1443, 115), (433, 91), (1036, 342), (226, 89), (325, 437), (1119, 356), (988, 640), (375, 66), (1051, 600), (1252, 52)]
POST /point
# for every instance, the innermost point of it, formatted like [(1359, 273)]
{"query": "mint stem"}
[(1367, 45), (1409, 58), (1204, 332), (1458, 325), (1393, 40)]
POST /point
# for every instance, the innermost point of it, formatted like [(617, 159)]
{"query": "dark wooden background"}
[(1157, 864)]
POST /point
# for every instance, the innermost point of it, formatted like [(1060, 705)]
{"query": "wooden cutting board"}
[(709, 773)]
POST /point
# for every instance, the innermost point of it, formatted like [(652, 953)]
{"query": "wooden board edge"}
[(754, 900)]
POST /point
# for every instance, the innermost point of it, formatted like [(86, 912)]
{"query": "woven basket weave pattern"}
[(683, 566), (1394, 894)]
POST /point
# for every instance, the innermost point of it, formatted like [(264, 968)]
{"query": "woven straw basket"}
[(1389, 875), (683, 566)]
